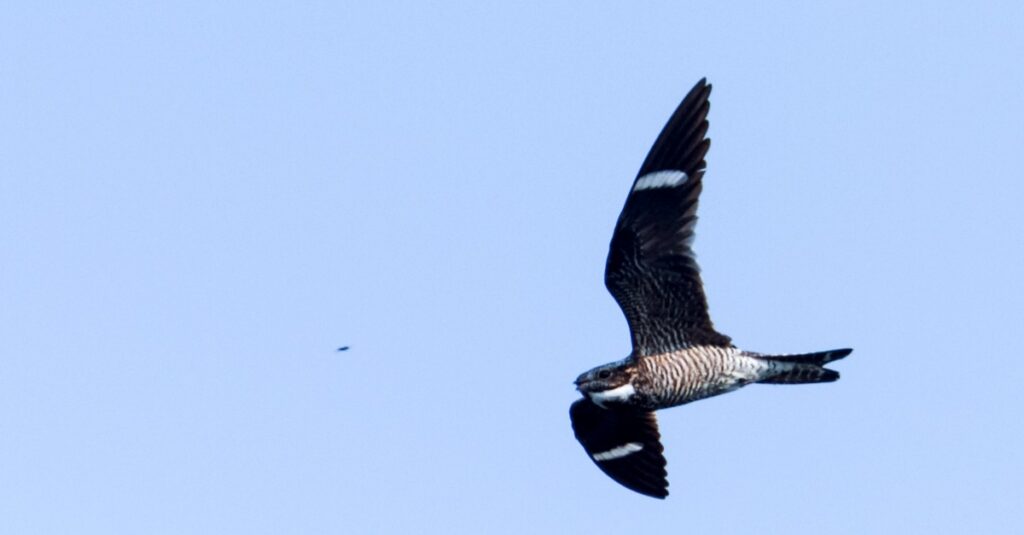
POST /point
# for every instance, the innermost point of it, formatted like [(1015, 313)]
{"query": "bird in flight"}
[(677, 356)]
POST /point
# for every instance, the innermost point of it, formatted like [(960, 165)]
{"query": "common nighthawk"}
[(677, 356)]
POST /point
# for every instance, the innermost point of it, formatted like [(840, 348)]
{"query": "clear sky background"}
[(200, 202)]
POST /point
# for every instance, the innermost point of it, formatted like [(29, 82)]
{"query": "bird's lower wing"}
[(624, 444)]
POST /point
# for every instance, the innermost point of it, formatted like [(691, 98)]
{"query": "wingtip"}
[(705, 84), (660, 494)]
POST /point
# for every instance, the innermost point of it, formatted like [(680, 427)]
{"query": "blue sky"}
[(199, 203)]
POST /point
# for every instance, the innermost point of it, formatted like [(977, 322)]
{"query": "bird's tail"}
[(804, 368)]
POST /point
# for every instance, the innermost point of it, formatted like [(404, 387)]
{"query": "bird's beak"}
[(581, 380)]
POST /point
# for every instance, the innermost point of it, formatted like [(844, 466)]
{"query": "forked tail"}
[(804, 368)]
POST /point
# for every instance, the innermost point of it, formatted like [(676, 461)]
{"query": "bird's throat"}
[(620, 394)]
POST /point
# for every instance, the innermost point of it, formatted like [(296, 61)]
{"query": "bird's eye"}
[(604, 374)]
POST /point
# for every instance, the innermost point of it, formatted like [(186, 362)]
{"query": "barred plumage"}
[(695, 373), (677, 356)]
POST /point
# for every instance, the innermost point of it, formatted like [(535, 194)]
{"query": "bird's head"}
[(611, 382)]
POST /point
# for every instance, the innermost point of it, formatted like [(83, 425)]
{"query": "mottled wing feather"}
[(624, 443), (652, 271)]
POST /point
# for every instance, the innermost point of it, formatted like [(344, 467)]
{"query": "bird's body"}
[(677, 356), (694, 373), (685, 375)]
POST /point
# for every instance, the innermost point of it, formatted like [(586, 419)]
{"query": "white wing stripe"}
[(661, 179), (619, 452)]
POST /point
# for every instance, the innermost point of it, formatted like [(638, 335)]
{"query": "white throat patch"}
[(661, 179), (618, 394)]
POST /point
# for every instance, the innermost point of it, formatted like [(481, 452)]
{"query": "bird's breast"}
[(690, 374)]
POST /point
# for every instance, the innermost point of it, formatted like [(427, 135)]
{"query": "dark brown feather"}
[(600, 430), (651, 270)]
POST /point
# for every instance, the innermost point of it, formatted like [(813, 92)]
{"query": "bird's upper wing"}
[(624, 443), (652, 271)]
